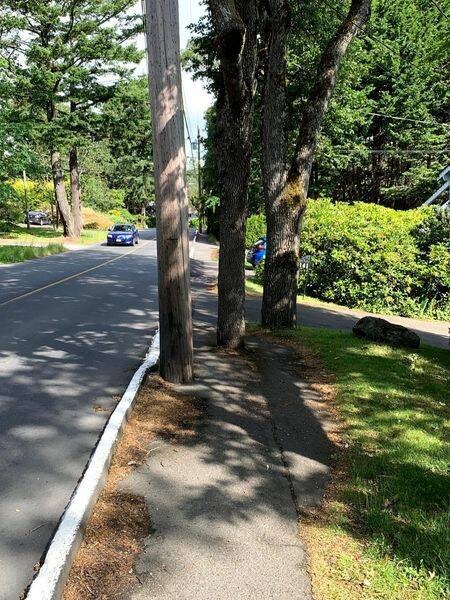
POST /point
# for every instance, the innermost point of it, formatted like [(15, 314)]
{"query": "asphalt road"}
[(73, 328)]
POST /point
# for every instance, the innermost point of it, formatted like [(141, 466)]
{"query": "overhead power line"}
[(374, 114), (397, 150), (443, 13), (361, 29)]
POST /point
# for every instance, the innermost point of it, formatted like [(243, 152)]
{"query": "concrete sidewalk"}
[(224, 504)]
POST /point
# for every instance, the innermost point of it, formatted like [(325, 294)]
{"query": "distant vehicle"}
[(122, 234), (257, 252), (38, 217)]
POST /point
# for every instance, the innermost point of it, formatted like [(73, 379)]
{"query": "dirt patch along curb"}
[(120, 520)]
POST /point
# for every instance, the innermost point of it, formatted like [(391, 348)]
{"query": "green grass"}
[(256, 288), (40, 234), (15, 254), (394, 501)]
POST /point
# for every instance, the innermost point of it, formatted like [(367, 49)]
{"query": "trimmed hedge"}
[(378, 259)]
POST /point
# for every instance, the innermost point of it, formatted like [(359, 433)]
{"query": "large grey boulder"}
[(380, 330)]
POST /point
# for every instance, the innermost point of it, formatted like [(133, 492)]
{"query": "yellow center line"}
[(45, 287)]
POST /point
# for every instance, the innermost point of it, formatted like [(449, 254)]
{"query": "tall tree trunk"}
[(280, 268), (75, 191), (286, 194), (235, 25), (61, 195)]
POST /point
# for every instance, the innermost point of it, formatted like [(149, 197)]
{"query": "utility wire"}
[(396, 150), (374, 114), (364, 33), (187, 127), (377, 41), (443, 13)]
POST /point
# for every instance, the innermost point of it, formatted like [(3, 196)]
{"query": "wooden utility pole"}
[(199, 175), (175, 314)]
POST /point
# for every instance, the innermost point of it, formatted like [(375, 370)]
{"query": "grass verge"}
[(383, 530), (15, 254), (18, 233)]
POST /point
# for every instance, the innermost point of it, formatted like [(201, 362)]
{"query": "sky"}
[(195, 96)]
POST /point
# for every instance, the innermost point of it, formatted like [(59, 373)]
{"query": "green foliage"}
[(258, 276), (368, 256), (375, 258), (432, 238), (122, 215), (255, 228), (435, 229), (99, 196), (390, 102), (385, 134), (38, 194), (11, 209), (65, 80), (194, 222), (125, 125)]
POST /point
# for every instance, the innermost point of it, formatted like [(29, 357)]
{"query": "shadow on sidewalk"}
[(225, 503)]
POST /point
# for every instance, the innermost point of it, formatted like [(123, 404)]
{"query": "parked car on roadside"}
[(122, 234), (257, 252), (37, 217)]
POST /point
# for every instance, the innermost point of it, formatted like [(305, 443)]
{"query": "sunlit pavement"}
[(73, 328)]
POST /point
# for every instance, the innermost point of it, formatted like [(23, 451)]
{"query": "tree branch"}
[(320, 94)]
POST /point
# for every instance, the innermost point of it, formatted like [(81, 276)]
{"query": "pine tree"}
[(64, 52)]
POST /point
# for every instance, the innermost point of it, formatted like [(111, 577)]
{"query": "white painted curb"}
[(192, 248), (50, 581)]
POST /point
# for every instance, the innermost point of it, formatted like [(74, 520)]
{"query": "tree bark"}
[(61, 195), (175, 314), (281, 259), (75, 191), (286, 190), (235, 24)]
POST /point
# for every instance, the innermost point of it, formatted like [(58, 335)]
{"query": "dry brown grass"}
[(103, 567), (93, 219), (215, 254)]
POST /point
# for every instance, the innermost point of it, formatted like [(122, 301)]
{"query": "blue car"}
[(122, 234), (257, 252)]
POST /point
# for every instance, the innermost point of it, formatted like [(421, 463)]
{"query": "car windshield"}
[(122, 228)]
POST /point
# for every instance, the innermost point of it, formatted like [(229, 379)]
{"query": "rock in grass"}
[(380, 330)]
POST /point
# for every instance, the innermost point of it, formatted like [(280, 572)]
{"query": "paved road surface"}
[(66, 353)]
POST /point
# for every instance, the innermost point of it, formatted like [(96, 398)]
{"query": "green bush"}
[(258, 273), (11, 208), (256, 227), (122, 215), (432, 238), (376, 258), (97, 195), (194, 223)]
